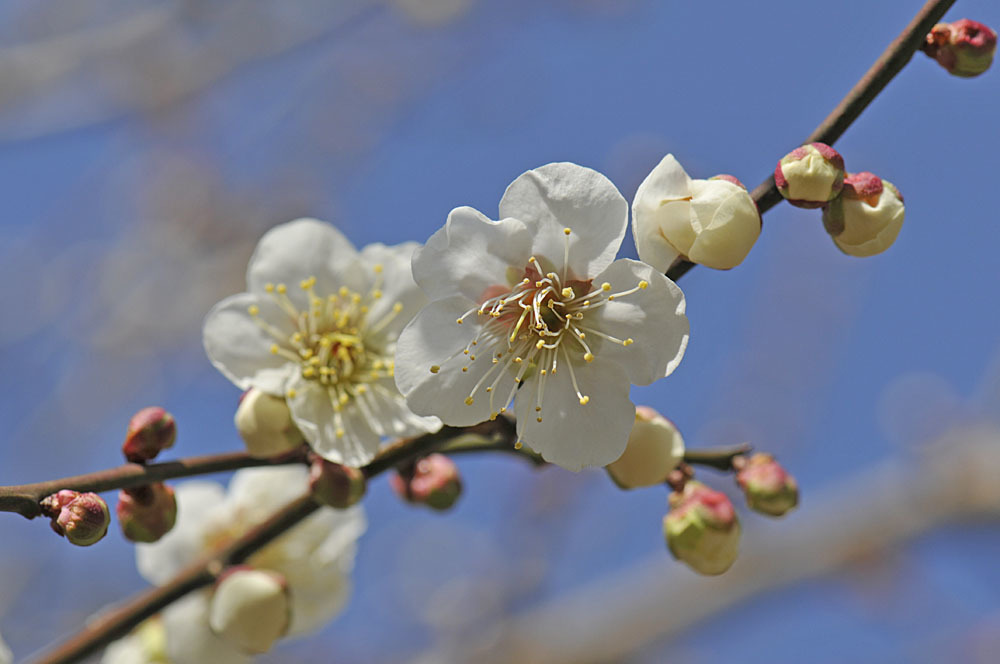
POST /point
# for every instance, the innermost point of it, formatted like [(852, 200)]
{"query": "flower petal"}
[(397, 286), (189, 638), (661, 215), (305, 248), (433, 339), (652, 317), (470, 254), (571, 434), (565, 195), (729, 224), (241, 349), (312, 412), (198, 505)]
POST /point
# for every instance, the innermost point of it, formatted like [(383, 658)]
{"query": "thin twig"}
[(204, 572), (24, 498), (720, 458), (890, 63)]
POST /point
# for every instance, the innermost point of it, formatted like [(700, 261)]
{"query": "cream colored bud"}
[(810, 176), (250, 608), (712, 222), (655, 447), (265, 424), (867, 217)]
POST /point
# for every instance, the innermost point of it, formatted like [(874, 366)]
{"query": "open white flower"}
[(319, 327), (6, 656), (315, 557), (537, 301)]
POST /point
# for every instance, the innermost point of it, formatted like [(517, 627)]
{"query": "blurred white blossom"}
[(319, 327)]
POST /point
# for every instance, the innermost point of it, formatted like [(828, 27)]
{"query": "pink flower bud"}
[(250, 608), (334, 484), (810, 176), (768, 487), (965, 48), (701, 529), (146, 513), (265, 424), (655, 447), (867, 217), (82, 518), (433, 481), (150, 431)]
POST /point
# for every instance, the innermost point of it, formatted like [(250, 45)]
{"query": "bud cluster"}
[(862, 213), (433, 481)]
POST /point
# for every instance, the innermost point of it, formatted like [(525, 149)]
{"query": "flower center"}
[(332, 342), (537, 327)]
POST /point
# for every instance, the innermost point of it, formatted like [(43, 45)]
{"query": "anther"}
[(253, 310), (469, 401), (567, 231), (644, 284), (435, 368), (589, 357), (605, 287), (584, 400), (628, 342)]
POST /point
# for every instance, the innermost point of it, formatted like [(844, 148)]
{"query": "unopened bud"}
[(82, 518), (867, 217), (965, 48), (250, 608), (265, 424), (711, 222), (433, 481), (150, 431), (146, 513), (655, 447), (334, 484), (702, 529), (768, 487), (810, 176)]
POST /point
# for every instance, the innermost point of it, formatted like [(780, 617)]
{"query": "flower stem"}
[(720, 459), (890, 63)]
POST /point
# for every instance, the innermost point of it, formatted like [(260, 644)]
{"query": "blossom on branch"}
[(315, 557), (318, 327), (535, 305), (711, 222)]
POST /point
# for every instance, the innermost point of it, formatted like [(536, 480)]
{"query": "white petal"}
[(397, 417), (189, 638), (6, 656), (301, 249), (728, 224), (571, 434), (433, 339), (398, 286), (470, 254), (565, 195), (661, 215), (312, 411), (257, 492), (652, 317), (239, 348), (198, 506)]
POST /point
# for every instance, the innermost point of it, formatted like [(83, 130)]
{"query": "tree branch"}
[(885, 68), (205, 571)]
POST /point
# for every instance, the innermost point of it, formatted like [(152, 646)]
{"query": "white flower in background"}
[(537, 300), (146, 644), (711, 222), (315, 557), (319, 327), (6, 656)]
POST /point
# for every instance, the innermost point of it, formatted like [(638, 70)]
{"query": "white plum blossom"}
[(318, 327), (6, 656), (535, 305), (315, 557), (711, 222)]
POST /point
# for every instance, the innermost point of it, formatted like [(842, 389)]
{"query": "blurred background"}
[(145, 146)]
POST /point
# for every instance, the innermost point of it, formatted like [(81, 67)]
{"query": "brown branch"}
[(24, 498), (890, 63), (719, 458), (204, 572)]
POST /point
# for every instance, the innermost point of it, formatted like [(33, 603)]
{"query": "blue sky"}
[(382, 127)]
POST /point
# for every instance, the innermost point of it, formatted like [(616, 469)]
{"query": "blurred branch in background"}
[(863, 517)]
